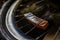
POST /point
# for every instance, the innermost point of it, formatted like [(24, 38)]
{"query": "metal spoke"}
[(56, 33), (18, 15), (30, 30), (23, 26), (39, 2), (40, 36), (20, 19)]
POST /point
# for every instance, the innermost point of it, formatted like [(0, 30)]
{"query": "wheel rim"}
[(10, 23)]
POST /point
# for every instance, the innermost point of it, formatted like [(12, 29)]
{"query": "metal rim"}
[(9, 22), (3, 29)]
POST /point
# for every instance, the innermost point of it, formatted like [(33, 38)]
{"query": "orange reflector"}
[(38, 22)]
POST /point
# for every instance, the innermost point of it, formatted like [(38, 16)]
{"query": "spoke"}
[(23, 26), (39, 2), (56, 33), (30, 30), (38, 9), (40, 36), (18, 15), (20, 19)]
